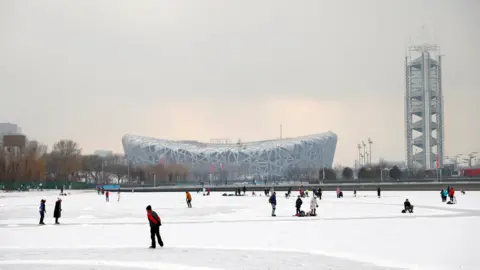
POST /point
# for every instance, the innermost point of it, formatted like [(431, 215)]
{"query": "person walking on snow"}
[(298, 205), (155, 223), (379, 192), (313, 206), (188, 199), (107, 195), (118, 195), (57, 212), (42, 210), (273, 202)]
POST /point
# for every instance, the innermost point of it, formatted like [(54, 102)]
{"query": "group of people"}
[(107, 195), (408, 207), (57, 211), (450, 193), (155, 221), (340, 193), (298, 205)]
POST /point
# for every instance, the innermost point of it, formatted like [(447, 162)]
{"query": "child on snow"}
[(42, 211)]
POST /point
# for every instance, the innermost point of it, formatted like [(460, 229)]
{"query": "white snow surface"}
[(238, 232)]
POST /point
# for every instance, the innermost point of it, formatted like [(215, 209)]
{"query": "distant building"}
[(103, 153), (250, 159), (9, 129)]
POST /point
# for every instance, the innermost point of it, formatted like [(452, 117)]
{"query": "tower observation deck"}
[(424, 107)]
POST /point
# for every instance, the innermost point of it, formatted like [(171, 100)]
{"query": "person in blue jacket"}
[(444, 195), (273, 202), (42, 211)]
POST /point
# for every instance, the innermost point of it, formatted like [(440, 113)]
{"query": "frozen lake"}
[(238, 232)]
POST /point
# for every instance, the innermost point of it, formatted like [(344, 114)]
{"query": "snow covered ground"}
[(238, 232)]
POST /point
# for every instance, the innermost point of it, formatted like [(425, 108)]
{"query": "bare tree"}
[(92, 168), (118, 171), (65, 148), (23, 164), (65, 159)]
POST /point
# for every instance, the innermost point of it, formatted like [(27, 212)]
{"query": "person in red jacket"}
[(155, 223), (451, 194)]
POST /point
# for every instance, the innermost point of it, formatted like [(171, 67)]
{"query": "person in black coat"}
[(57, 212), (379, 192), (408, 207), (155, 223), (298, 204)]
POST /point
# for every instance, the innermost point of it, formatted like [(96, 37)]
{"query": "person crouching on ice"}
[(188, 199), (273, 202), (408, 207), (313, 206), (155, 223)]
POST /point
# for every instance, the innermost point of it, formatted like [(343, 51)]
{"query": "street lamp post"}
[(323, 163), (103, 174), (370, 142), (471, 157), (359, 155), (364, 153)]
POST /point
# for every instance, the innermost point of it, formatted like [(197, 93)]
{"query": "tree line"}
[(65, 162)]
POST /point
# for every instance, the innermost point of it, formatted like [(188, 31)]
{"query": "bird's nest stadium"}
[(250, 158)]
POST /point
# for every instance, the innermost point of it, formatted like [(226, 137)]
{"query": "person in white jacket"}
[(313, 206)]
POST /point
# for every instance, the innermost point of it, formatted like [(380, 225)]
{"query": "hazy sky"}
[(95, 70)]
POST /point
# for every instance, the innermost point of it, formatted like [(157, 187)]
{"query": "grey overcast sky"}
[(95, 70)]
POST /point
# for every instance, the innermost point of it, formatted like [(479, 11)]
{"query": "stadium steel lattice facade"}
[(251, 158)]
